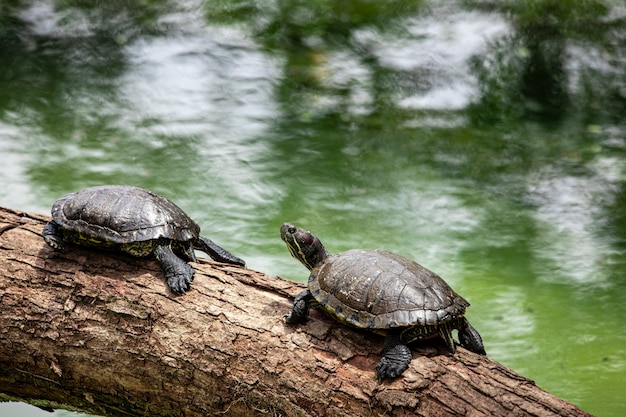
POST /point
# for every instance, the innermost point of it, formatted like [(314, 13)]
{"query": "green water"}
[(469, 140)]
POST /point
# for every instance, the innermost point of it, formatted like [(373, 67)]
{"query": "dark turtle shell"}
[(122, 214), (376, 289)]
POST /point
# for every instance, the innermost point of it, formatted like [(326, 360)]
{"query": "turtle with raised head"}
[(136, 221), (381, 292)]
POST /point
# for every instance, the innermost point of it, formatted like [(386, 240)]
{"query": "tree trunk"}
[(100, 332)]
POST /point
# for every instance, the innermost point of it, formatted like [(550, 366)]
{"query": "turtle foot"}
[(180, 280), (395, 361), (301, 305), (293, 318), (178, 273), (52, 236)]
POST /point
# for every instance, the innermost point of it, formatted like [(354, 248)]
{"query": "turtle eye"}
[(291, 230)]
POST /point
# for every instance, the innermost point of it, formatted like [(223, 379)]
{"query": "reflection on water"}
[(211, 83), (568, 210), (361, 132), (436, 51)]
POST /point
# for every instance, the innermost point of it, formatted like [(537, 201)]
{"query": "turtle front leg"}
[(397, 357), (52, 235), (218, 253), (178, 273), (301, 305), (470, 338)]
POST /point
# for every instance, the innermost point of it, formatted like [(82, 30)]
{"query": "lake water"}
[(406, 131)]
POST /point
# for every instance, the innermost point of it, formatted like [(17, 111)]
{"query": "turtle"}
[(382, 292), (136, 221)]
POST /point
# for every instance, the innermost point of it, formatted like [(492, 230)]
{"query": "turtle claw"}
[(301, 305), (387, 370), (180, 281), (178, 273), (52, 236), (395, 361), (291, 318), (54, 242)]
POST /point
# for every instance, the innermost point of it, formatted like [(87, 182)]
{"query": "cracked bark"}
[(100, 332)]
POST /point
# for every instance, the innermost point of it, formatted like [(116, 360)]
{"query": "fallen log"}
[(100, 332)]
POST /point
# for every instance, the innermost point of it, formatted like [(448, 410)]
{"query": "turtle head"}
[(303, 245)]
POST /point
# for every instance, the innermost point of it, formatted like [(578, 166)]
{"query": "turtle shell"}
[(123, 214), (376, 289)]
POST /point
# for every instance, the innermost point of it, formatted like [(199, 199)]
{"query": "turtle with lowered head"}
[(382, 292), (136, 221)]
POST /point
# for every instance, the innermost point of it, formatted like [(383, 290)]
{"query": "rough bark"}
[(101, 332)]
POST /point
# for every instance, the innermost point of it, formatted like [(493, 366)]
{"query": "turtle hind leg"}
[(178, 273), (397, 357), (218, 253), (470, 338), (301, 305), (53, 236)]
